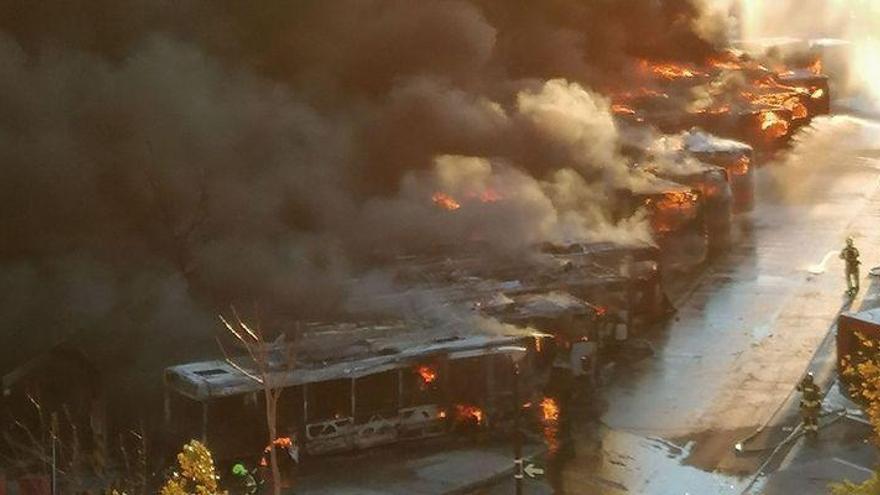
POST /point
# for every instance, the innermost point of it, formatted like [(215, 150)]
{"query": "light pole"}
[(516, 353), (517, 435)]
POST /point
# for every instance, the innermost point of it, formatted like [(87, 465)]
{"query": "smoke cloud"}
[(163, 160)]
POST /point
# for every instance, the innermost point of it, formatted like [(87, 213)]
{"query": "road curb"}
[(495, 477)]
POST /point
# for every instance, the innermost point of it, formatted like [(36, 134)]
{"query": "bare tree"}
[(270, 360)]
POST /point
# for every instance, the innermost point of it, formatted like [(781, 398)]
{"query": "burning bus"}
[(814, 87), (714, 188), (354, 386), (675, 212), (624, 281), (735, 157), (580, 330)]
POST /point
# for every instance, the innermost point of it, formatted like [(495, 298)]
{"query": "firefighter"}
[(811, 405), (245, 481), (851, 256)]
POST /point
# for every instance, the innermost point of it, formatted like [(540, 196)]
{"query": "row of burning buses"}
[(450, 367)]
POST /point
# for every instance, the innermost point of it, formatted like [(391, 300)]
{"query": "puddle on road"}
[(620, 462)]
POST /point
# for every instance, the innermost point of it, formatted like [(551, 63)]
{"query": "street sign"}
[(533, 471)]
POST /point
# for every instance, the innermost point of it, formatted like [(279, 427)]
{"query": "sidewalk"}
[(443, 466)]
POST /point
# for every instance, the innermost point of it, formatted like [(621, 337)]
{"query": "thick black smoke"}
[(162, 160)]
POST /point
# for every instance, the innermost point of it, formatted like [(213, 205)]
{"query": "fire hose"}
[(797, 432), (740, 445)]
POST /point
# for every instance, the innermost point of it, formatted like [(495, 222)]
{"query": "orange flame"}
[(427, 374), (798, 109), (469, 413), (670, 71), (816, 67), (672, 210), (445, 201), (773, 125), (550, 423), (549, 409), (725, 64), (740, 166), (817, 94)]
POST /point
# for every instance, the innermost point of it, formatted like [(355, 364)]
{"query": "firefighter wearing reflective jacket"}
[(851, 256), (246, 483), (811, 404)]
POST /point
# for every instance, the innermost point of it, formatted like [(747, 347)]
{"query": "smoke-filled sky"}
[(161, 160)]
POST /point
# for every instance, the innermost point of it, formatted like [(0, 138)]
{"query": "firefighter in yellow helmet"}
[(851, 256), (811, 405)]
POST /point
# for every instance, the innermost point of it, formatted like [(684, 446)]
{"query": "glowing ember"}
[(670, 71), (445, 201), (549, 409), (772, 125), (539, 344), (817, 94), (427, 374), (441, 414), (469, 414), (600, 310)]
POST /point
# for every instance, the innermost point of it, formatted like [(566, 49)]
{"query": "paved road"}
[(742, 339)]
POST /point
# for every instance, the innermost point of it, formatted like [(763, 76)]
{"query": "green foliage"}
[(869, 487), (863, 372)]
